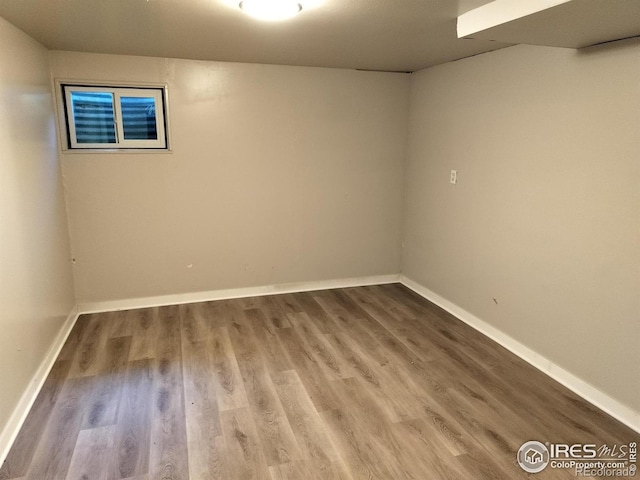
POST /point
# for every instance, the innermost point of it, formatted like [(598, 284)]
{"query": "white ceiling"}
[(392, 35), (396, 35)]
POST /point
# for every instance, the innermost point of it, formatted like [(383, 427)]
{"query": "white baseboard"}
[(176, 299), (20, 412), (12, 428), (591, 394), (621, 412)]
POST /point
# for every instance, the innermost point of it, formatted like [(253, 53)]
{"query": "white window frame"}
[(158, 93)]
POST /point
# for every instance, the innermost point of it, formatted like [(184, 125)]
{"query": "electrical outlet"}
[(454, 177)]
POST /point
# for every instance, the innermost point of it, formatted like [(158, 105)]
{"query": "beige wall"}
[(290, 174), (278, 175), (545, 217), (36, 287)]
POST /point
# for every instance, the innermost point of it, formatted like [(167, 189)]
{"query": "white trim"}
[(61, 123), (158, 99), (117, 94), (20, 412), (591, 394), (12, 428), (176, 299)]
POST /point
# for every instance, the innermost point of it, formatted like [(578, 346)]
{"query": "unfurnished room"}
[(319, 239)]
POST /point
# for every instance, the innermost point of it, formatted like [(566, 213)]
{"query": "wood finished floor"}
[(358, 383)]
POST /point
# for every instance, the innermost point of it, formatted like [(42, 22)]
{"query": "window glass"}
[(114, 118), (93, 117), (139, 118)]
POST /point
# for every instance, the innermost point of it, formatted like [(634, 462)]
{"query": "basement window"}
[(101, 117)]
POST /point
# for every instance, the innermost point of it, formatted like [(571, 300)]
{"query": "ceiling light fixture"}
[(271, 10)]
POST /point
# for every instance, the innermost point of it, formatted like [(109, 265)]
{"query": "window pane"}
[(93, 117), (139, 118)]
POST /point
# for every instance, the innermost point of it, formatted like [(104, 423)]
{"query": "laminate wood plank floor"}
[(348, 384)]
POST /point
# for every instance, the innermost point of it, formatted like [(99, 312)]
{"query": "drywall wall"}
[(540, 237), (36, 285), (277, 175)]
